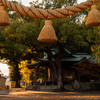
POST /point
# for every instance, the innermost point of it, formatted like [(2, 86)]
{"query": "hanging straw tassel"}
[(47, 34), (4, 18), (93, 18)]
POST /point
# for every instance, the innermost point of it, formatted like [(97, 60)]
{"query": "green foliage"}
[(26, 32), (76, 37)]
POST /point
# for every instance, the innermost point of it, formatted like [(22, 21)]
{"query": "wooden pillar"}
[(48, 74), (34, 81)]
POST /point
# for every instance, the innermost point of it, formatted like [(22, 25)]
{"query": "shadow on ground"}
[(39, 95)]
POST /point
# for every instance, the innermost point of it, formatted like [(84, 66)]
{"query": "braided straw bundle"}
[(4, 18), (47, 33), (52, 14), (93, 18)]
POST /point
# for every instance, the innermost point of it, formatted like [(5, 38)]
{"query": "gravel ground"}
[(39, 95)]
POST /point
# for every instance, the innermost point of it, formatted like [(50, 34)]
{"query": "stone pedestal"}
[(11, 84)]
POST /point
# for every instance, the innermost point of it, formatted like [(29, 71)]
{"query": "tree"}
[(25, 73), (21, 36)]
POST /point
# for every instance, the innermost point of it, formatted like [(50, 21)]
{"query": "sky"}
[(26, 2), (4, 67)]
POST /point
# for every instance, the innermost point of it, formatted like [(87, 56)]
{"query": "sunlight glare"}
[(4, 69)]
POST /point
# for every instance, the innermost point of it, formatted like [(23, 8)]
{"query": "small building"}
[(87, 69), (68, 65)]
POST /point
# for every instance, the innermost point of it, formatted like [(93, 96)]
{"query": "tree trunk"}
[(17, 75), (56, 64), (59, 79)]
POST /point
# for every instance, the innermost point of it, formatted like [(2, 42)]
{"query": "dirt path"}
[(39, 95)]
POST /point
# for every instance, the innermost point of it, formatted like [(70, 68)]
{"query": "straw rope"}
[(48, 14)]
